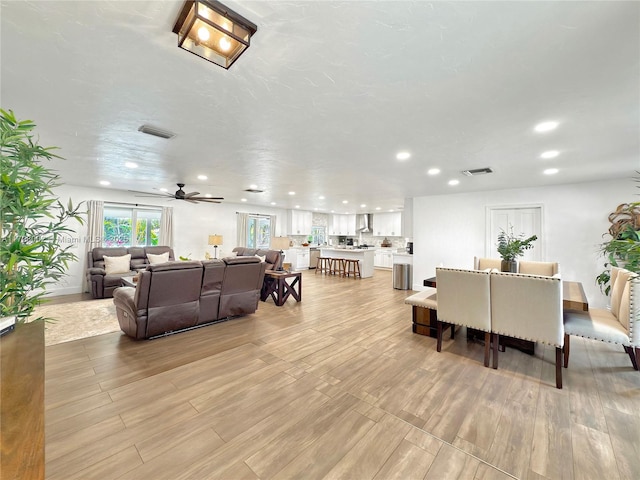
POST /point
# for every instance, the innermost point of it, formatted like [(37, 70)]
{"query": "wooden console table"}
[(22, 402), (276, 285)]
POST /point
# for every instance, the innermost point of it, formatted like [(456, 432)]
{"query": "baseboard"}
[(63, 291)]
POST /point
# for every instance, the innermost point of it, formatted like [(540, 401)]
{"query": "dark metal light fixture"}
[(212, 31)]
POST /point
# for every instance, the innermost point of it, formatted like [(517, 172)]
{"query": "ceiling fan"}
[(181, 195)]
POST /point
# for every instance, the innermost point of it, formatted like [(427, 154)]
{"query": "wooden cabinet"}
[(343, 225), (299, 222), (387, 224)]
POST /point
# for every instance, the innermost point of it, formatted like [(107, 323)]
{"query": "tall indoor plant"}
[(511, 246), (35, 246)]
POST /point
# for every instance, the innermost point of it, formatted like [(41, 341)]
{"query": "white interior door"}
[(525, 220)]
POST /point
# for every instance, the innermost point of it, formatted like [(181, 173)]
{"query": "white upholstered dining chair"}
[(547, 269), (486, 263), (619, 325), (463, 299), (527, 307)]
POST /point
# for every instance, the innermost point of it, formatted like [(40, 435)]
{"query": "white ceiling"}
[(327, 95)]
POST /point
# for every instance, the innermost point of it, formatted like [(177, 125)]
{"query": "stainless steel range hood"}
[(365, 223)]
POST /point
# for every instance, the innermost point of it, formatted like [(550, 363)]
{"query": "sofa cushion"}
[(120, 264), (158, 258)]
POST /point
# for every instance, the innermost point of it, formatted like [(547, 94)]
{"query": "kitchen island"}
[(364, 256)]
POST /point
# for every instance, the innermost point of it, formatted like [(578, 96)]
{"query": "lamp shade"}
[(215, 240), (280, 243), (212, 31)]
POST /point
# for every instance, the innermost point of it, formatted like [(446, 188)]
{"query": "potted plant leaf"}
[(511, 246), (35, 245)]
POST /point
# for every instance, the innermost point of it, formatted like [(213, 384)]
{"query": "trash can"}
[(402, 276)]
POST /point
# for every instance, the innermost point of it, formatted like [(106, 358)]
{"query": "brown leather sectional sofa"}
[(272, 257), (175, 296), (102, 285)]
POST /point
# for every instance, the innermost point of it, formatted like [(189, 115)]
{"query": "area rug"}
[(75, 320)]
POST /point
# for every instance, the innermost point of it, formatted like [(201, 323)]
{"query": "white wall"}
[(193, 223), (449, 230)]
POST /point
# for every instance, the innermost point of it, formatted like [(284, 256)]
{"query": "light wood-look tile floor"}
[(336, 386)]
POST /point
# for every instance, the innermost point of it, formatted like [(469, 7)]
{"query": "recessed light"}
[(433, 171), (403, 156), (345, 201), (273, 203), (454, 182), (208, 195), (131, 165), (550, 171), (332, 211), (549, 154), (292, 193), (297, 206), (363, 205), (546, 126), (105, 182), (321, 197), (253, 186), (163, 190), (391, 209), (243, 199), (202, 177), (377, 208)]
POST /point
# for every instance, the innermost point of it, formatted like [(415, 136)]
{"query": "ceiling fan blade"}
[(191, 194), (206, 199), (150, 194), (189, 200)]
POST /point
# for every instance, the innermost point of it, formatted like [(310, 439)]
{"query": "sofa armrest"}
[(124, 297), (96, 271)]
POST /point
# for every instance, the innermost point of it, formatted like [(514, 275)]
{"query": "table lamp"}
[(215, 240), (280, 243)]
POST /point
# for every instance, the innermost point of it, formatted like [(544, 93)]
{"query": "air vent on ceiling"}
[(254, 190), (477, 171), (156, 132)]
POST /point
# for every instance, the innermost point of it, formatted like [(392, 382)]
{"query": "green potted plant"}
[(35, 246), (622, 250), (510, 247)]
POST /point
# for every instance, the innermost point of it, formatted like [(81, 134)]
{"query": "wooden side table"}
[(276, 285)]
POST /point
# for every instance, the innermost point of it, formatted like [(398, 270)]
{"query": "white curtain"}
[(95, 231), (272, 227), (243, 227), (166, 227)]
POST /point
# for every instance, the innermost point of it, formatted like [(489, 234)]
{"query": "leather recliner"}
[(102, 285), (176, 296)]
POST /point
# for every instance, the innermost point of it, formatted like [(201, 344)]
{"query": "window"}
[(259, 232), (119, 231), (318, 234)]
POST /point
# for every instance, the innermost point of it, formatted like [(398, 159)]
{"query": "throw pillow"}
[(114, 265), (263, 258), (158, 258)]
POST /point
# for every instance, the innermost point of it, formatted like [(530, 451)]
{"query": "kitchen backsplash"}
[(396, 242)]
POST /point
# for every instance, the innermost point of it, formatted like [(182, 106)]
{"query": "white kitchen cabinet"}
[(343, 225), (387, 224), (383, 258), (299, 222), (298, 257)]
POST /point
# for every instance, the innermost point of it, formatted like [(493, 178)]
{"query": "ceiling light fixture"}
[(131, 165), (105, 182), (454, 182), (433, 171), (550, 171), (292, 193), (550, 154), (403, 155), (202, 177), (545, 126), (211, 30)]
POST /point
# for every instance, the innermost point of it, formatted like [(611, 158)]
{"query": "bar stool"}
[(323, 265), (336, 266), (352, 267)]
